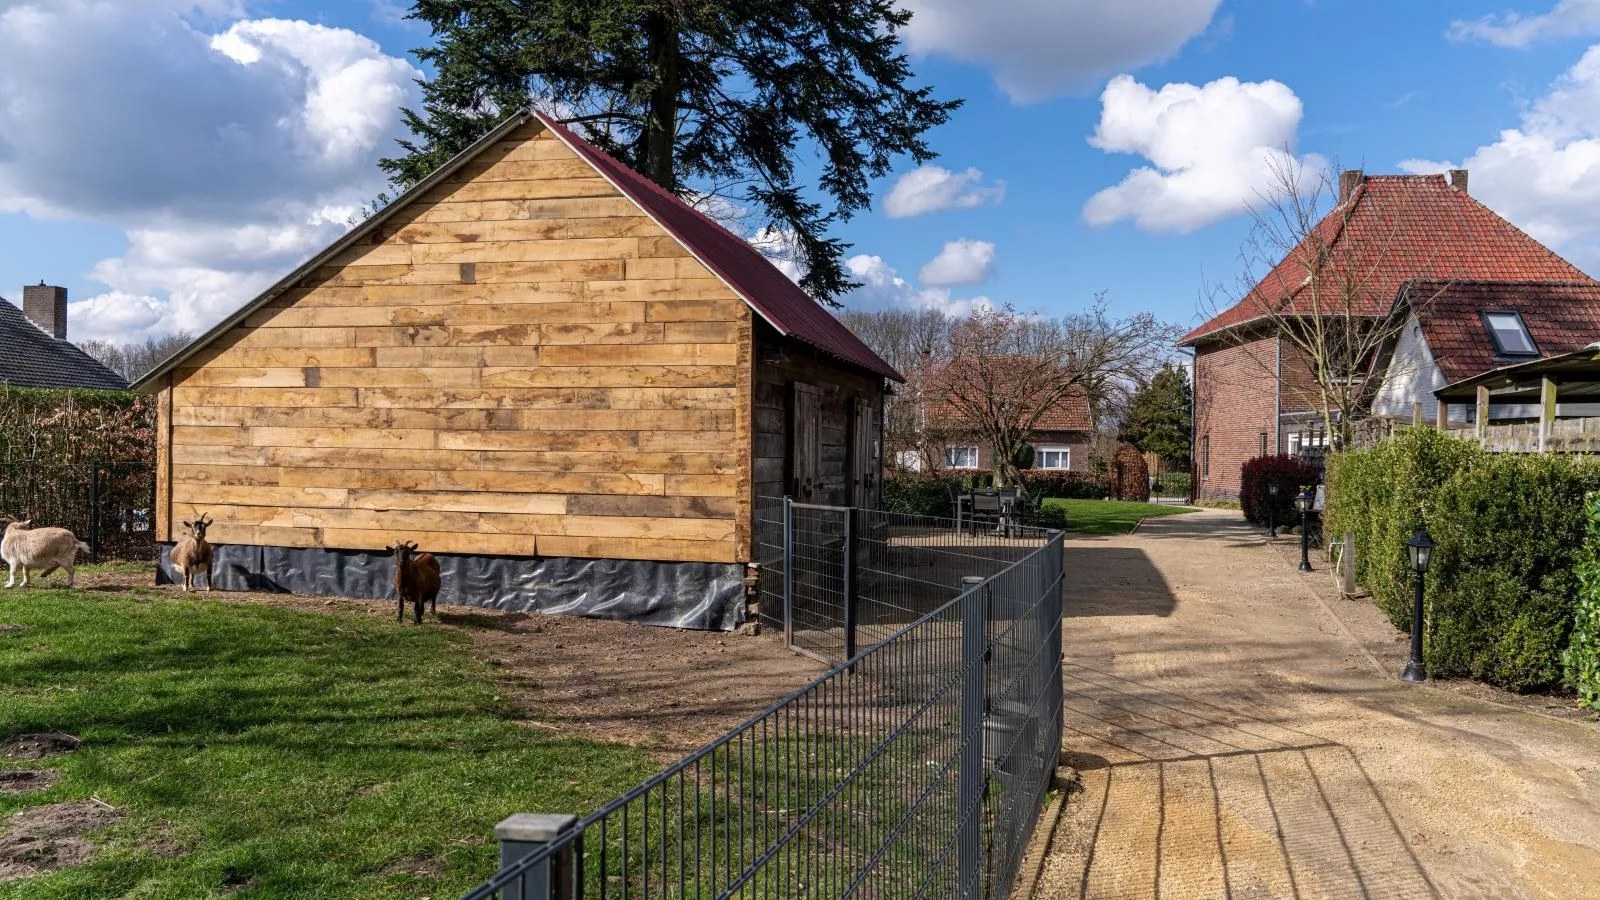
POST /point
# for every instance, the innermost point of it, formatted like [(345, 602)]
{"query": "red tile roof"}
[(1561, 317), (770, 292), (1069, 413), (1400, 227)]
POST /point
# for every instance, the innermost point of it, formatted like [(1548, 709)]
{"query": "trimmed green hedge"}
[(1582, 656), (1510, 528)]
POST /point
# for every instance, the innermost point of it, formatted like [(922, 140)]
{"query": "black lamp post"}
[(1420, 547), (1302, 502), (1272, 509)]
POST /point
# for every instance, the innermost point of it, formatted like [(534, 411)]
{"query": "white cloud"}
[(960, 262), (227, 157), (1545, 175), (1214, 150), (1040, 48), (882, 286), (1569, 18), (930, 189), (781, 247)]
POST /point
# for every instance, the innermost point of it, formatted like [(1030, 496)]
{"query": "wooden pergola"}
[(1542, 403)]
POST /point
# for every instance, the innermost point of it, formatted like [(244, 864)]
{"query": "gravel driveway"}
[(1236, 741)]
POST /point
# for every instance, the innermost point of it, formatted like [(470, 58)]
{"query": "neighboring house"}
[(34, 351), (1400, 228), (540, 365), (1459, 330), (1060, 438)]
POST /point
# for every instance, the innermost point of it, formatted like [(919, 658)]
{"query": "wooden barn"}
[(536, 363)]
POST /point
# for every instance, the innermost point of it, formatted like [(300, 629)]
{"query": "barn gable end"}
[(517, 363)]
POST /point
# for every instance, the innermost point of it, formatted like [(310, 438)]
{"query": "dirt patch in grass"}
[(419, 867), (12, 629), (45, 838), (27, 781), (664, 689), (38, 746)]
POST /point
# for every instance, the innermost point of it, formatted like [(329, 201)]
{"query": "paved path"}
[(1235, 742)]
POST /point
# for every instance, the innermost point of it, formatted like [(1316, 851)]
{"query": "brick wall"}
[(1235, 401), (1076, 441)]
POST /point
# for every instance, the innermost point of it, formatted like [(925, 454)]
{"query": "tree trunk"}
[(661, 121)]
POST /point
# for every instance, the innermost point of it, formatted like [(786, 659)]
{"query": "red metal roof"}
[(1398, 228), (770, 292), (1561, 317)]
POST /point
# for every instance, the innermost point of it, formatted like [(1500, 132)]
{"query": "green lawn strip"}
[(293, 754), (1109, 516)]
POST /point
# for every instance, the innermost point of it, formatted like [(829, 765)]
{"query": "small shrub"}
[(918, 495), (1130, 475), (1048, 517), (1581, 659), (1289, 473), (1066, 485)]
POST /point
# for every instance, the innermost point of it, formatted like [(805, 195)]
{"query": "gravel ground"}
[(1237, 738)]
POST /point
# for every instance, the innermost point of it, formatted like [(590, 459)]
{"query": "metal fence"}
[(916, 768), (109, 505), (836, 579)]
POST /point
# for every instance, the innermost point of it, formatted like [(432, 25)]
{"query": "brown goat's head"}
[(404, 552), (198, 526)]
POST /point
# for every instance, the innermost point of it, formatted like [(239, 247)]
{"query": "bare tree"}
[(1326, 294), (133, 360), (1006, 371), (916, 342)]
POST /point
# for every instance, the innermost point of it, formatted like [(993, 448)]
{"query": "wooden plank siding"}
[(519, 363)]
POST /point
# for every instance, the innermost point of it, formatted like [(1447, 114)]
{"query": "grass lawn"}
[(1108, 516), (275, 753)]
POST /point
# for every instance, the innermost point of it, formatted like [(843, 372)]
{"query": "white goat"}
[(39, 548)]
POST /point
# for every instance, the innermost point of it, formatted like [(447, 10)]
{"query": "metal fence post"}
[(850, 583), (524, 833), (788, 573), (974, 697), (94, 514)]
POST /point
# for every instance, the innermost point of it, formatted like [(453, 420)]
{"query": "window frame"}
[(1494, 334), (1040, 450), (950, 465), (1205, 457)]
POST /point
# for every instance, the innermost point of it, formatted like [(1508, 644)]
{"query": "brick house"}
[(1251, 385), (1060, 439)]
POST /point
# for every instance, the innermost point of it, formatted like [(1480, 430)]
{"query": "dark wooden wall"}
[(780, 364)]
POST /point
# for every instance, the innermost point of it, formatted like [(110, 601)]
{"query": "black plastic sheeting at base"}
[(707, 596)]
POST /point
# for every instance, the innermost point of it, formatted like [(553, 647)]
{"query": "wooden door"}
[(864, 461), (805, 451)]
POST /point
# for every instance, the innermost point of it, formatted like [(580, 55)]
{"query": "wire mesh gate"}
[(915, 768), (108, 505), (836, 579)]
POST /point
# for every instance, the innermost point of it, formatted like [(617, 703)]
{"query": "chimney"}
[(1458, 179), (1349, 180), (46, 305)]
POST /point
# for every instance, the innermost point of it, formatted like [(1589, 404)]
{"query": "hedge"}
[(1380, 495), (1503, 588), (1581, 660), (1500, 600), (1290, 473), (929, 494)]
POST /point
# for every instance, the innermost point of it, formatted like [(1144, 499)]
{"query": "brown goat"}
[(192, 554), (416, 579)]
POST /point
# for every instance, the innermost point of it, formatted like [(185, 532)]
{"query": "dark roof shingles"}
[(1561, 317), (31, 358)]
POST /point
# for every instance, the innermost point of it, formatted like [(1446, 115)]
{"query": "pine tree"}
[(707, 98), (1159, 417)]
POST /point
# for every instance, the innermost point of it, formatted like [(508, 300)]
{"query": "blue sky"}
[(152, 171)]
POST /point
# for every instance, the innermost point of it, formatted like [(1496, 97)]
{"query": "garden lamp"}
[(1420, 548), (1272, 509), (1302, 502)]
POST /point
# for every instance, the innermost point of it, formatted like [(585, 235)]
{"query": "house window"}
[(910, 460), (961, 456), (1263, 444), (1509, 334), (1205, 457), (1052, 458)]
